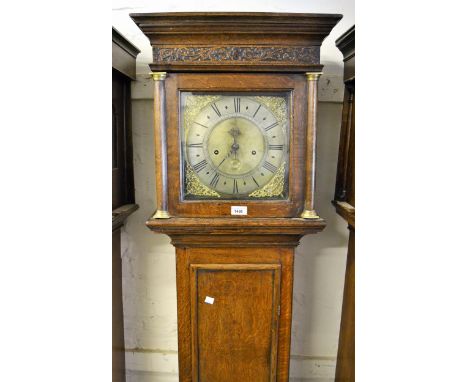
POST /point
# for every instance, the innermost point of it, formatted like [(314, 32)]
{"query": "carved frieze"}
[(236, 54)]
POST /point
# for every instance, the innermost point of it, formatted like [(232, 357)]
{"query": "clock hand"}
[(227, 156), (235, 132), (234, 148)]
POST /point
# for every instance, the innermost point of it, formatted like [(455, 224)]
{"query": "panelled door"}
[(235, 310)]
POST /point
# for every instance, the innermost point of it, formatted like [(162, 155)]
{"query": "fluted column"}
[(311, 144), (160, 145)]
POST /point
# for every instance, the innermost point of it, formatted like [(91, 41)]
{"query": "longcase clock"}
[(235, 111)]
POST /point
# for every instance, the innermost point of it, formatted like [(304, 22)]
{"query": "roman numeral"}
[(256, 111), (271, 126), (198, 145), (275, 147), (235, 188), (237, 102), (268, 166), (214, 181), (200, 165), (215, 108), (255, 182)]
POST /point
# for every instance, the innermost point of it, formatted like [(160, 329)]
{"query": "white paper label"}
[(209, 300), (238, 210)]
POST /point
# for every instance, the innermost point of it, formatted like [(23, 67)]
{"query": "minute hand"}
[(220, 163)]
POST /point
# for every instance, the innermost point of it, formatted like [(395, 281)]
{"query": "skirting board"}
[(161, 366)]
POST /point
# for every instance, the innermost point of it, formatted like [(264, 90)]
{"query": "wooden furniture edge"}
[(176, 67), (242, 226), (123, 55), (126, 45), (346, 211), (345, 43), (120, 214)]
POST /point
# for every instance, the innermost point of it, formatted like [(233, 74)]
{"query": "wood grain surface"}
[(233, 274), (346, 359), (235, 336)]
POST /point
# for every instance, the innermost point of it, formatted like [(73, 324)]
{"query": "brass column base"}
[(161, 215), (307, 214)]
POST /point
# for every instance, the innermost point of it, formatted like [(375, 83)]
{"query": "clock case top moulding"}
[(234, 43), (214, 42)]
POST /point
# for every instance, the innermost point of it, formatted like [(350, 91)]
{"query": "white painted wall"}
[(149, 260)]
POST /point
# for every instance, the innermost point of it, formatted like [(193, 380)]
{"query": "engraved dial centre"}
[(235, 139)]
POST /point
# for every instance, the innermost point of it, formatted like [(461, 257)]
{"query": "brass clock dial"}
[(235, 145)]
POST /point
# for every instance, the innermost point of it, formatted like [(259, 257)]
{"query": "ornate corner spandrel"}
[(275, 187)]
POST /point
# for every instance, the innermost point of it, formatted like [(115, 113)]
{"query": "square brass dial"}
[(235, 146)]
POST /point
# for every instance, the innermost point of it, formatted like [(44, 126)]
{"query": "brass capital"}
[(307, 214), (159, 76), (313, 76), (161, 215)]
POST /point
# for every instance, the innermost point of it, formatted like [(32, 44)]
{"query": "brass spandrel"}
[(193, 105), (275, 187), (194, 186), (277, 105)]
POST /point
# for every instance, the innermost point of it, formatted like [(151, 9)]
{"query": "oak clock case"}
[(235, 97)]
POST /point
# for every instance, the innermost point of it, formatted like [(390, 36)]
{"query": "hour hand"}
[(234, 131)]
